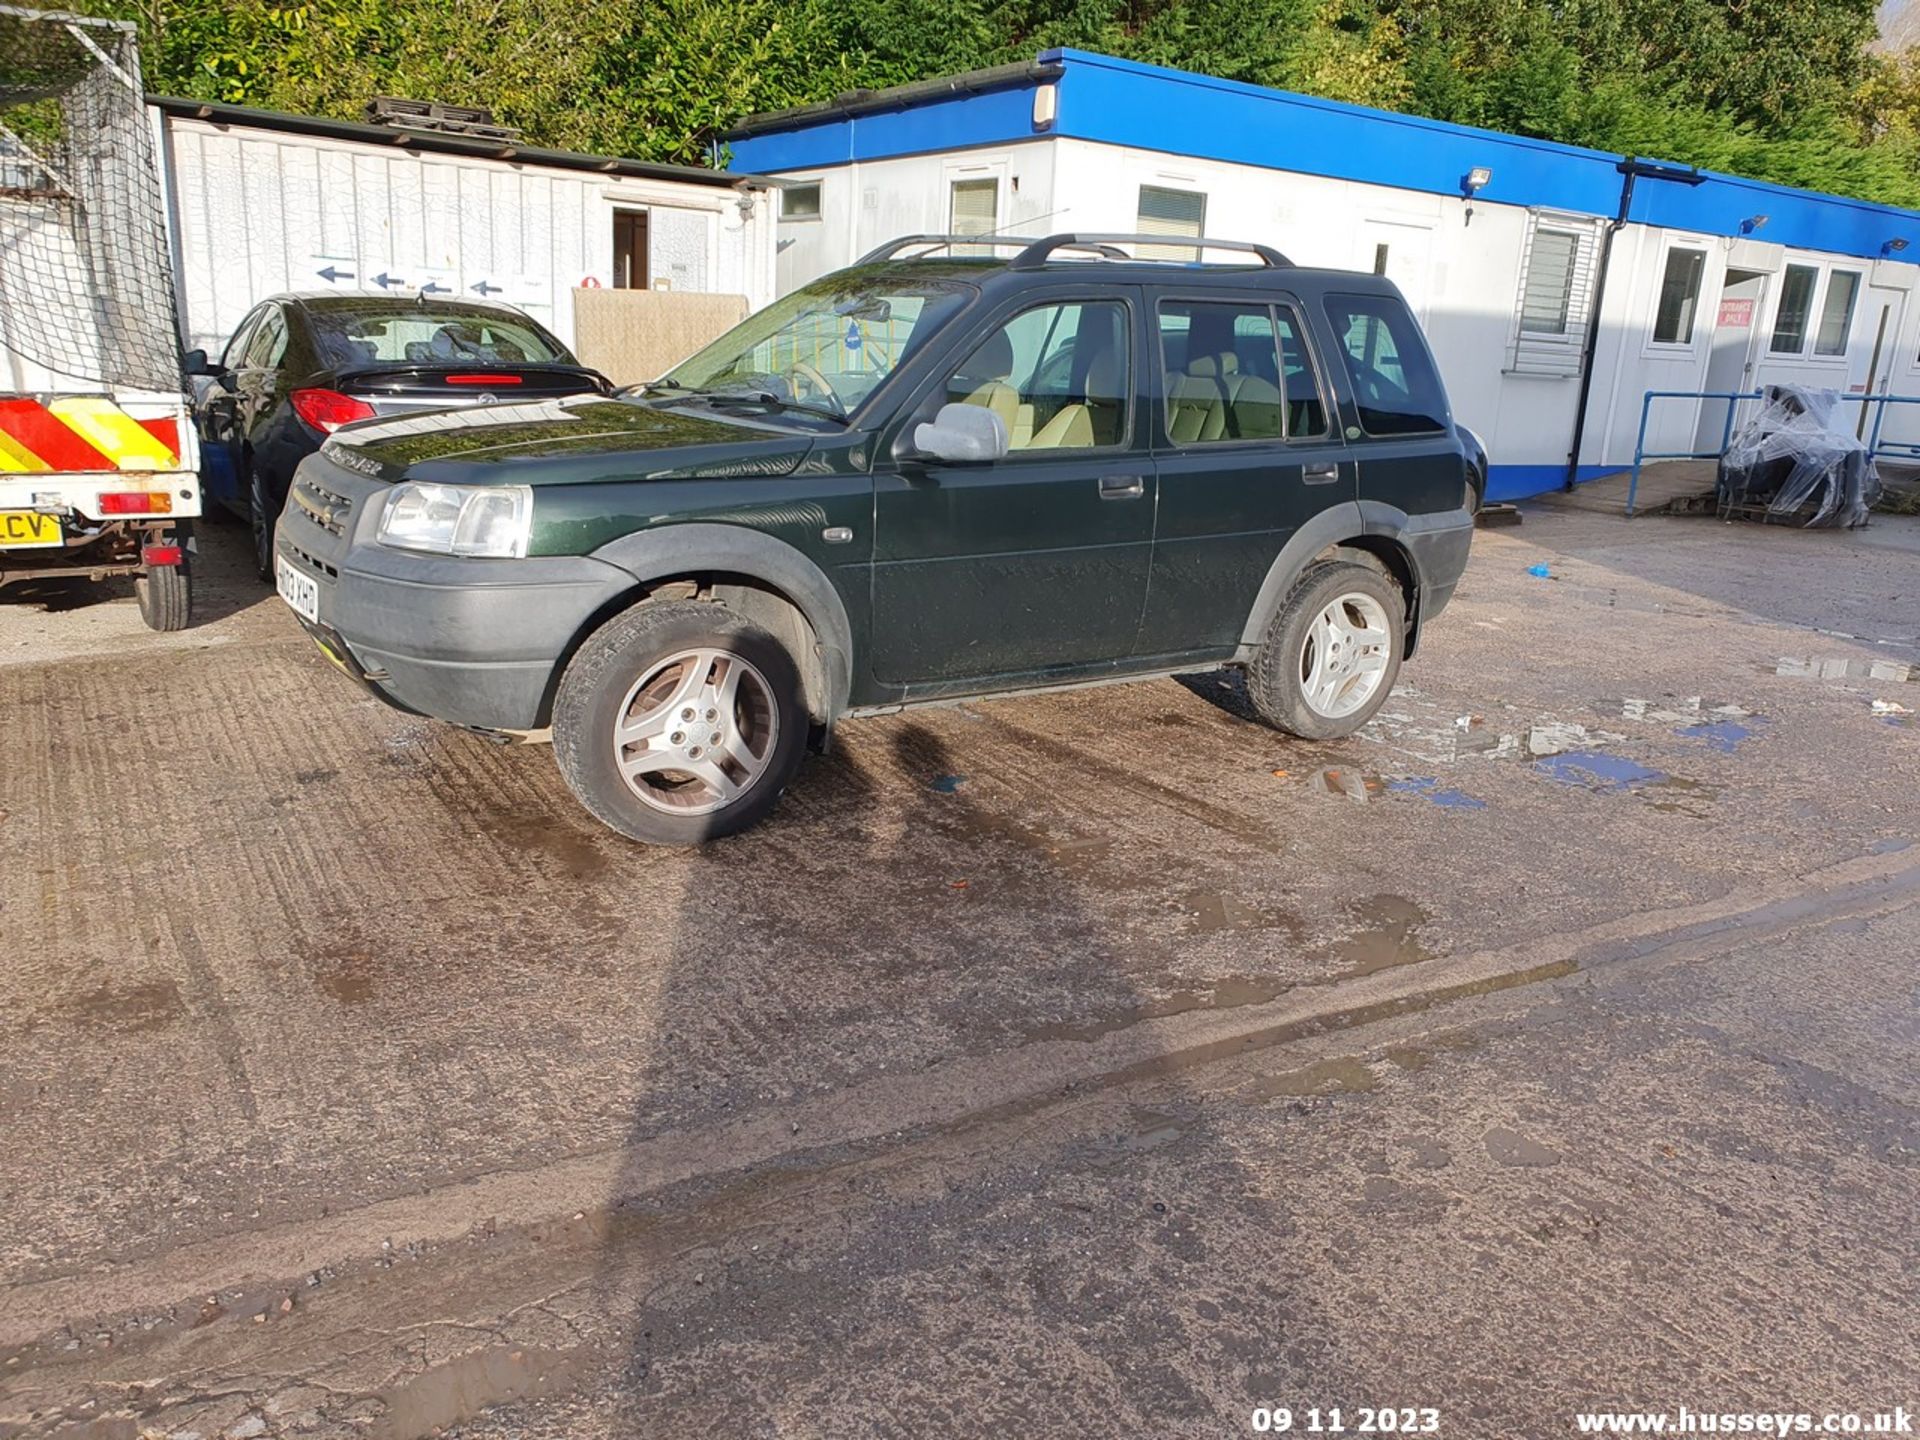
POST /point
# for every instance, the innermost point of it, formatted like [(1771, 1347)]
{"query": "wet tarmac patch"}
[(1386, 936), (462, 1387), (1229, 994), (578, 853), (151, 1005), (346, 974), (947, 784), (1516, 1151), (1345, 1075)]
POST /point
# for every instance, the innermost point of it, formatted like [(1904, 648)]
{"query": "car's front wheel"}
[(679, 722), (1332, 652)]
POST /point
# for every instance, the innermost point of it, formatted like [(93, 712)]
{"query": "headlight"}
[(459, 519)]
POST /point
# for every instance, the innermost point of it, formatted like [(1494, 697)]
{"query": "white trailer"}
[(98, 466)]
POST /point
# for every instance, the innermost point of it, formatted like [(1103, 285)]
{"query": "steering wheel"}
[(815, 383)]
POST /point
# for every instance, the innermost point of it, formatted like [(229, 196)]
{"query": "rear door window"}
[(1395, 385)]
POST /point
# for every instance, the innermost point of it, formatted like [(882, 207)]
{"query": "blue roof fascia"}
[(1150, 107), (1125, 102), (956, 122)]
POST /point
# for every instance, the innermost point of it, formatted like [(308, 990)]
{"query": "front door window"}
[(1056, 375)]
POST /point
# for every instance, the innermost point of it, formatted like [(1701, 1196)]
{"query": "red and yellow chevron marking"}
[(82, 432)]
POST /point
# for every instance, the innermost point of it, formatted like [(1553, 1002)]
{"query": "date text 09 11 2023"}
[(1361, 1420)]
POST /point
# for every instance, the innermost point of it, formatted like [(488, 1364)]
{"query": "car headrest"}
[(992, 361), (1106, 374)]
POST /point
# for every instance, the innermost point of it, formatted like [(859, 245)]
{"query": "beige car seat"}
[(1096, 419), (982, 380)]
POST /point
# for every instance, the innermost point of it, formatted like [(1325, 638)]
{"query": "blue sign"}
[(853, 334)]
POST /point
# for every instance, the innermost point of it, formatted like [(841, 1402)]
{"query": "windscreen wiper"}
[(758, 397)]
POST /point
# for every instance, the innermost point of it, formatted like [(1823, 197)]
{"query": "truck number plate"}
[(20, 529), (299, 590)]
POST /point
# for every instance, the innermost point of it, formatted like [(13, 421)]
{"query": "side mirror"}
[(195, 362), (963, 433)]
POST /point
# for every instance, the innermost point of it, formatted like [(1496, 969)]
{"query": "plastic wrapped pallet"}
[(1797, 451)]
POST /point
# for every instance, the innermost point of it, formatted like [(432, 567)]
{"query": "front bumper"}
[(472, 641)]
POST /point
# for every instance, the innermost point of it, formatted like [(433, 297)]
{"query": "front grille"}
[(326, 508), (311, 561)]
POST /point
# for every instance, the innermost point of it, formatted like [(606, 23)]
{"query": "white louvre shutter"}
[(1553, 309), (976, 206)]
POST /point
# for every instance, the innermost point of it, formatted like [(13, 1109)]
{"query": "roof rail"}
[(892, 248), (1040, 251)]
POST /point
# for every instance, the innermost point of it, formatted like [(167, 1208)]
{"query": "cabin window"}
[(1679, 296), (1836, 313), (800, 202), (1171, 212), (1796, 305)]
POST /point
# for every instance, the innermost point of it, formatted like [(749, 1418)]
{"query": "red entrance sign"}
[(1736, 312)]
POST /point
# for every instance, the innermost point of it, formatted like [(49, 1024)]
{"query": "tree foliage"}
[(1785, 90)]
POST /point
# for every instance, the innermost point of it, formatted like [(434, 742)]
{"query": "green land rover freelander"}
[(962, 467)]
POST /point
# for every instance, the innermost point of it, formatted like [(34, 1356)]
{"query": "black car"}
[(301, 366), (925, 478)]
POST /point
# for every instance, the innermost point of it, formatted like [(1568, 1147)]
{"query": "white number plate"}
[(299, 590)]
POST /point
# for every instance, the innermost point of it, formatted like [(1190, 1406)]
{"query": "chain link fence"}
[(86, 291)]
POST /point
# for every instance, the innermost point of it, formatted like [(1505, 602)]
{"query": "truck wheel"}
[(679, 722), (1331, 653), (165, 594)]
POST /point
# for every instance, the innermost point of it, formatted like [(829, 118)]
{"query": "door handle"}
[(1320, 474), (1122, 487)]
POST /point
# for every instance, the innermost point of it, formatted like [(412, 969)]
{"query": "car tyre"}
[(263, 521), (1331, 652), (679, 722), (165, 595)]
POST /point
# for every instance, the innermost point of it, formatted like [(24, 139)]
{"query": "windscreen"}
[(429, 335), (831, 343)]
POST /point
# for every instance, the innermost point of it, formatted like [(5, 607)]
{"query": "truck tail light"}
[(160, 556), (136, 502), (327, 410)]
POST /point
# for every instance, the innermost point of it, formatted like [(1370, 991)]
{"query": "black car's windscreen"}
[(832, 342), (429, 335)]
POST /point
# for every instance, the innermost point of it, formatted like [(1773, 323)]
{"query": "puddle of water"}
[(1838, 667), (1345, 1075), (1675, 796), (947, 784), (461, 1388), (1723, 735), (1214, 912), (1669, 711), (1152, 1129), (1386, 935), (1596, 770), (1418, 1057), (1346, 784), (1429, 788)]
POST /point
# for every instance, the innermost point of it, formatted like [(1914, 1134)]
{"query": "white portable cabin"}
[(262, 202), (1499, 242)]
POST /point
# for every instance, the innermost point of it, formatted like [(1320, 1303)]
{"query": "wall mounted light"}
[(1894, 246), (1471, 184), (1752, 223)]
